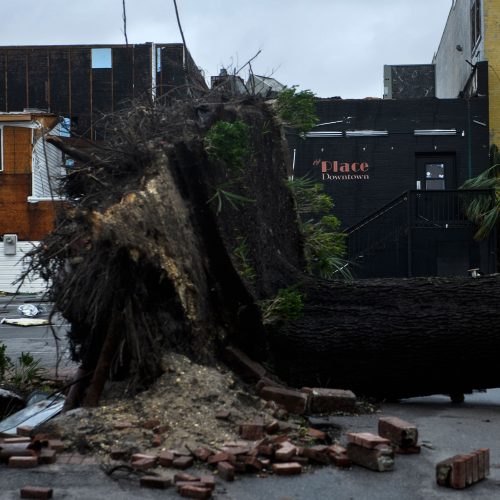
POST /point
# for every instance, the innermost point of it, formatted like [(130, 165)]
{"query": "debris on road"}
[(461, 471)]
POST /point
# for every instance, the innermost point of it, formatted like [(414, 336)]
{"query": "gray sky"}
[(332, 47)]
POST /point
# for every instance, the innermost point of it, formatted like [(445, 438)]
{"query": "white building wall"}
[(12, 266), (452, 70)]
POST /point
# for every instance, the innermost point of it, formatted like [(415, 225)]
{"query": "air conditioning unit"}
[(9, 244)]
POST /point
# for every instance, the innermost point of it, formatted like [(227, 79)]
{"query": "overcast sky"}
[(332, 47)]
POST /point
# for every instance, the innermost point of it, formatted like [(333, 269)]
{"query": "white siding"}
[(11, 267), (47, 168)]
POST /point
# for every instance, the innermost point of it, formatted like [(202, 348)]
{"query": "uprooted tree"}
[(181, 224)]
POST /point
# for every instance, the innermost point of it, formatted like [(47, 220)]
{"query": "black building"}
[(393, 168), (85, 82)]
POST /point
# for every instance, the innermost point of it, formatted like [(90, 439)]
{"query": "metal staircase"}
[(393, 226)]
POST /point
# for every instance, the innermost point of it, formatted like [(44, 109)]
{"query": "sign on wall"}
[(334, 170)]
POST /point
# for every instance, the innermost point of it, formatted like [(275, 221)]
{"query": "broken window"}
[(475, 23), (101, 58)]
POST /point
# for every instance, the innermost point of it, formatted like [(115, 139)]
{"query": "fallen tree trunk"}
[(394, 338), (181, 245)]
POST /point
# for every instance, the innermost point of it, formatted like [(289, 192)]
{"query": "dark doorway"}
[(436, 172)]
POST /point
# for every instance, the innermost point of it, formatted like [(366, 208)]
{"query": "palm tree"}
[(481, 210)]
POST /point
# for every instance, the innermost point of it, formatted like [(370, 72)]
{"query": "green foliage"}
[(4, 361), (324, 243), (23, 374), (26, 371), (287, 305), (232, 198), (228, 142), (297, 108), (247, 272), (481, 210)]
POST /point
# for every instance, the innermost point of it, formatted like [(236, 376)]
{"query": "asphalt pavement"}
[(39, 341)]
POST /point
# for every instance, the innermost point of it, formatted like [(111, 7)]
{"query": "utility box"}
[(10, 244)]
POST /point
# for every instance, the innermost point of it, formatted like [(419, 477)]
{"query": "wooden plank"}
[(17, 150)]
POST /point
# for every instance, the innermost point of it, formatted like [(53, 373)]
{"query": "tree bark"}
[(394, 338)]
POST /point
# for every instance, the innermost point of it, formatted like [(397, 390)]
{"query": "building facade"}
[(393, 168), (30, 169), (84, 83), (471, 36)]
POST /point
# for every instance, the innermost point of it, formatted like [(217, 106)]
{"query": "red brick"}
[(208, 482), (144, 463), (486, 456), (342, 460), (398, 431), (15, 450), (458, 473), (273, 427), (253, 463), (36, 492), (189, 491), (226, 471), (247, 369), (182, 462), (47, 456), (157, 440), (266, 449), (185, 477), (292, 400), (287, 469), (17, 440), (235, 450), (118, 453), (331, 400), (202, 453), (468, 470), (220, 457), (316, 434), (156, 482), (366, 439), (56, 444), (318, 454), (252, 431), (475, 467), (285, 452), (266, 382), (301, 460), (165, 458), (443, 472), (380, 458), (23, 462), (278, 439), (24, 430)]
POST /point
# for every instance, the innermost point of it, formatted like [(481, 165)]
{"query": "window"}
[(101, 58), (434, 176), (475, 23)]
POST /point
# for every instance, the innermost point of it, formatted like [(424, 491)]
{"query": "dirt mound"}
[(182, 408)]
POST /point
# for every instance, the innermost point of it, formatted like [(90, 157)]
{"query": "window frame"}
[(475, 24)]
